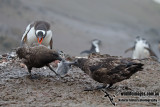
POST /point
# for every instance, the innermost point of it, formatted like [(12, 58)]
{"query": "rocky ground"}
[(17, 89)]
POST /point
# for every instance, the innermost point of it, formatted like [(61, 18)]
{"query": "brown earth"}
[(17, 89)]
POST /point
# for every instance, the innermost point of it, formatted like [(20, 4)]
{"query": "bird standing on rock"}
[(94, 47), (37, 56), (141, 49), (108, 69), (38, 32)]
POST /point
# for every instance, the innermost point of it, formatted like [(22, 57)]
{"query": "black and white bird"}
[(94, 47), (141, 49), (38, 32)]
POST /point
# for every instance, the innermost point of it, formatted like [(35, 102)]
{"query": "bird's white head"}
[(40, 34)]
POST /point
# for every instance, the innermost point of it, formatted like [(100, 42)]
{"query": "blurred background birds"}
[(141, 49), (94, 47), (115, 23)]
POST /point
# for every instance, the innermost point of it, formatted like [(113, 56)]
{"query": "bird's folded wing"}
[(130, 49), (151, 52), (28, 28)]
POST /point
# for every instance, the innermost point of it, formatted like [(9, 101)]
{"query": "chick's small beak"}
[(40, 40)]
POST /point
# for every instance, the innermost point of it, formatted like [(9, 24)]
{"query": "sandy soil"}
[(17, 89)]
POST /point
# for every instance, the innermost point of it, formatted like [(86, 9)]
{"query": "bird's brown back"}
[(109, 69), (39, 56)]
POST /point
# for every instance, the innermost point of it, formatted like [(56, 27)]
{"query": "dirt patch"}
[(17, 89)]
